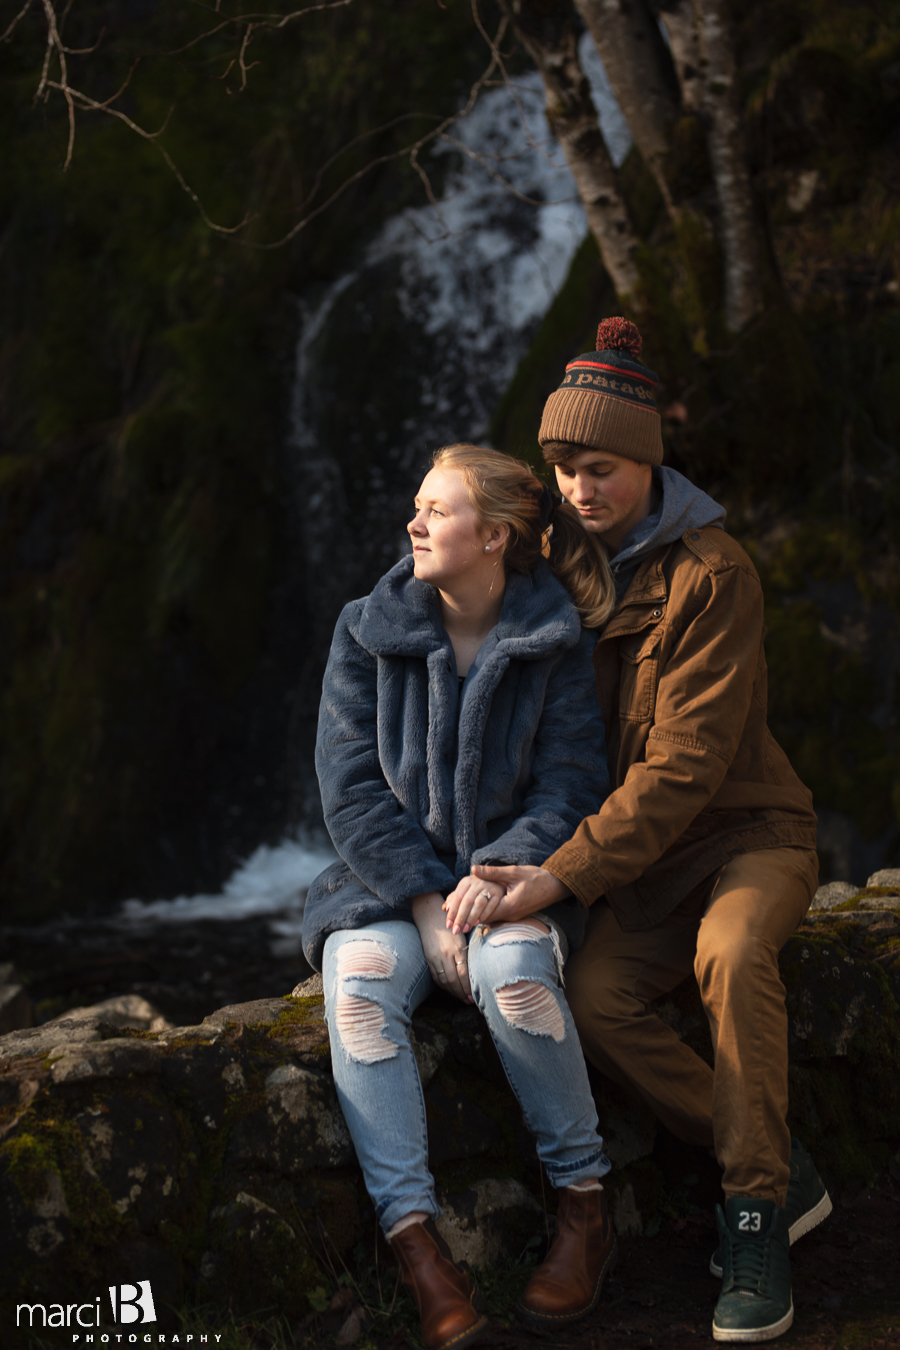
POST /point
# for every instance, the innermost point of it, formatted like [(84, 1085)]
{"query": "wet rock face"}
[(214, 1161)]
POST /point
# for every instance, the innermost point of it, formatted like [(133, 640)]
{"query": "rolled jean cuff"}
[(596, 1164), (390, 1212)]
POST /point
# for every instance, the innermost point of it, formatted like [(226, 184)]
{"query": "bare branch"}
[(55, 48), (409, 150), (85, 102), (494, 45), (48, 50), (350, 145), (21, 15), (54, 43), (84, 51), (251, 28), (76, 99), (484, 161), (121, 90), (429, 191), (270, 21)]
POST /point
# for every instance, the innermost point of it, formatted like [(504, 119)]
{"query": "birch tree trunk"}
[(737, 224), (641, 76), (547, 31), (680, 21)]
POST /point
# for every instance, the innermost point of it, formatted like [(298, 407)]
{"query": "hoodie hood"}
[(682, 507)]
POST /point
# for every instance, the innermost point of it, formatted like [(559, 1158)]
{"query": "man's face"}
[(610, 493)]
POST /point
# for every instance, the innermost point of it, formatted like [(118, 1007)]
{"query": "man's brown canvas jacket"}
[(697, 777)]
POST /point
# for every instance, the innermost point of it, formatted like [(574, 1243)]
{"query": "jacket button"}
[(693, 535), (657, 614)]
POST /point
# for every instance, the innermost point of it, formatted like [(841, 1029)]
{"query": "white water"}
[(271, 881), (466, 276)]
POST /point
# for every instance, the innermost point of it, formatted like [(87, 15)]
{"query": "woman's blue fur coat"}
[(415, 790)]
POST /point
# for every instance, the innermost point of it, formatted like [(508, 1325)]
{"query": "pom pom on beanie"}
[(619, 335), (605, 401)]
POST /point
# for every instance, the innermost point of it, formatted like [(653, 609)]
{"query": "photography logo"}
[(132, 1304), (132, 1307), (135, 1302)]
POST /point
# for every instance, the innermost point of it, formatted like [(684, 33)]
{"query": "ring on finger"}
[(484, 895)]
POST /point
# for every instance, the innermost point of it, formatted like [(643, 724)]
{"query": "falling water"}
[(475, 275)]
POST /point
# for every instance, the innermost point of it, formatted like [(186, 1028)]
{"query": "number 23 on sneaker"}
[(754, 1245), (807, 1203)]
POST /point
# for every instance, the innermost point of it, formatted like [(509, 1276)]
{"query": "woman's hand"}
[(473, 902), (447, 953), (526, 890)]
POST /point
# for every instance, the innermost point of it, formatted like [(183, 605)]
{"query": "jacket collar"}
[(647, 592), (402, 616)]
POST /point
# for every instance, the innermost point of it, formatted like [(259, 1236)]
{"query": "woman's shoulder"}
[(399, 616), (538, 618)]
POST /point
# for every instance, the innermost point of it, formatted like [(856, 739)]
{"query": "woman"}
[(458, 726)]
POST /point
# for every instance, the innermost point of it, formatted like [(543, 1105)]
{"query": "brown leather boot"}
[(568, 1283), (443, 1291)]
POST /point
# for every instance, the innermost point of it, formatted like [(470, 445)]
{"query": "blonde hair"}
[(504, 491)]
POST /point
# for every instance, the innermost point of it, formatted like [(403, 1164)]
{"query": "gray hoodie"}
[(680, 507)]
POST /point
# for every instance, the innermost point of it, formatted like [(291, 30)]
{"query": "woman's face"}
[(447, 537)]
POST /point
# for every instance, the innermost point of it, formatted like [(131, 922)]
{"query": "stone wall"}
[(213, 1160)]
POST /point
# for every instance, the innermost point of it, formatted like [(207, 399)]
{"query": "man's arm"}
[(702, 703)]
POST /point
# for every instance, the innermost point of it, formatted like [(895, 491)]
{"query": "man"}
[(703, 857)]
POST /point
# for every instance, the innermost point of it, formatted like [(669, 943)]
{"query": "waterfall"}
[(468, 280), (428, 327)]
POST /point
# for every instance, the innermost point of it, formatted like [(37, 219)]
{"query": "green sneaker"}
[(807, 1203), (755, 1303)]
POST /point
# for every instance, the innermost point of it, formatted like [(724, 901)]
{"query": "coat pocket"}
[(639, 671)]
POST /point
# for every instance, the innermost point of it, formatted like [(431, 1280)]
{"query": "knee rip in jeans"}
[(527, 932), (531, 1007), (359, 1021), (514, 932)]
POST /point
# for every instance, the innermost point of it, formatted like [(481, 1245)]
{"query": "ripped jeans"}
[(374, 980)]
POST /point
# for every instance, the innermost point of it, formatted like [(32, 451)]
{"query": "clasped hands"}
[(489, 895), (500, 895)]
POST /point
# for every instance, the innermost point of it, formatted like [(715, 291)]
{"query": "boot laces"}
[(748, 1264)]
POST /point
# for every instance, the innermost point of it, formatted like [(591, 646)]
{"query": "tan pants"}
[(730, 930)]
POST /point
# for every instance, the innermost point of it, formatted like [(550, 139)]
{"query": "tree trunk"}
[(680, 20), (641, 76), (547, 31), (737, 226)]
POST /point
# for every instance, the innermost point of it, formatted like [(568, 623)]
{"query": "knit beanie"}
[(606, 400)]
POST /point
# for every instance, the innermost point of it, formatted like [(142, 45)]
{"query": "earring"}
[(487, 548)]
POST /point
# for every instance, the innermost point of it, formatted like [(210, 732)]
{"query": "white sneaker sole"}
[(805, 1224), (749, 1334), (811, 1219)]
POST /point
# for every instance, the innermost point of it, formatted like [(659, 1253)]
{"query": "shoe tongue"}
[(747, 1216)]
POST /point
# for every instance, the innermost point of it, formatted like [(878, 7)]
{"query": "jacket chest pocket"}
[(638, 675)]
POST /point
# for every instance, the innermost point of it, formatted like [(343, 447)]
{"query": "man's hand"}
[(528, 889), (447, 953)]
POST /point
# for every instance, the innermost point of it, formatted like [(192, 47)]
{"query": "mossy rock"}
[(256, 1259), (214, 1159)]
